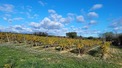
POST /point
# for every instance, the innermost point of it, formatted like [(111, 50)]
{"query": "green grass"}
[(22, 57)]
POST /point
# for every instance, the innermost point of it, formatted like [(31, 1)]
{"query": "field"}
[(23, 51), (60, 34), (24, 57)]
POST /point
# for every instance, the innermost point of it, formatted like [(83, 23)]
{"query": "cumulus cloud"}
[(35, 25), (54, 23), (21, 29), (96, 6), (6, 8), (92, 15), (17, 29), (92, 22), (80, 18), (48, 24), (55, 17), (58, 18), (66, 20)]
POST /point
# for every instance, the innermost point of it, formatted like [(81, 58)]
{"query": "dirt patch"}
[(63, 51)]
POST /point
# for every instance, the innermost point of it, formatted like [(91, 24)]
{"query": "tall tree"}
[(71, 34)]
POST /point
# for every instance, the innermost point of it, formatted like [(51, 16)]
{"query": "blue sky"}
[(57, 17)]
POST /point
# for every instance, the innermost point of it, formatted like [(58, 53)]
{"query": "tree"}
[(108, 36), (40, 33), (90, 37), (71, 34)]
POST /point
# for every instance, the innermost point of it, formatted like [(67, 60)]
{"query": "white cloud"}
[(7, 19), (7, 15), (85, 27), (7, 8), (35, 15), (68, 19), (4, 18), (29, 15), (57, 32), (20, 29), (55, 17), (80, 18), (17, 29), (65, 20), (11, 20), (42, 3), (18, 18), (53, 23), (51, 11), (92, 15), (92, 22), (96, 6), (48, 24), (35, 25), (58, 18), (116, 24), (29, 8), (84, 31), (71, 14), (95, 32), (118, 28), (1, 28)]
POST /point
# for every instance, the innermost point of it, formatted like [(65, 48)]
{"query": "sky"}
[(57, 17)]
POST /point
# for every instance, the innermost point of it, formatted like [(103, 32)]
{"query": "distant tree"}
[(40, 33), (90, 37), (108, 36), (115, 38), (71, 34), (80, 37)]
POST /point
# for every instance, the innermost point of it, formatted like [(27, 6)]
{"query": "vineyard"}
[(61, 44), (46, 45)]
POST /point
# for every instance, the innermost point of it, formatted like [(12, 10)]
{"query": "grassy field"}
[(23, 56)]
